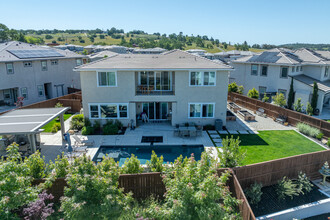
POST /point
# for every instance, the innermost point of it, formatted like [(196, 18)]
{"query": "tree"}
[(297, 106), (291, 95), (231, 155), (265, 98), (309, 109), (240, 89), (253, 93), (279, 99), (48, 36), (314, 96), (3, 32)]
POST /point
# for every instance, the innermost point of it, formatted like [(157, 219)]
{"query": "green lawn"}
[(270, 145), (48, 127)]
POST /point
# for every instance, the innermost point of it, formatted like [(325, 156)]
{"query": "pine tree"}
[(291, 95), (315, 96)]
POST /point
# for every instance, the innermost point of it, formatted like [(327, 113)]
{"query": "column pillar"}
[(62, 129), (33, 143)]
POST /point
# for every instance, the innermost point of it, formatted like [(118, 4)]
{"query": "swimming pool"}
[(169, 152)]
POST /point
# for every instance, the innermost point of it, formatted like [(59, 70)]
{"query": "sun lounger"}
[(80, 142)]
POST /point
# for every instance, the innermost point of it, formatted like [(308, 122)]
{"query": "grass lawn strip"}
[(270, 145), (48, 127)]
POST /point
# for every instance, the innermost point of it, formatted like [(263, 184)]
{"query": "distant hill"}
[(309, 46)]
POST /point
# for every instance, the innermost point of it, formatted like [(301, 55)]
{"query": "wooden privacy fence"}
[(270, 172), (274, 111), (71, 100)]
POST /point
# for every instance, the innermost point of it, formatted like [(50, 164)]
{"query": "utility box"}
[(218, 124)]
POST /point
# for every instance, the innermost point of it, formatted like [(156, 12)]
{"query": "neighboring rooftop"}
[(323, 86), (175, 59), (102, 54), (19, 51)]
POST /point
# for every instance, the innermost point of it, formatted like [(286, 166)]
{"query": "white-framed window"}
[(254, 69), (297, 69), (284, 72), (201, 110), (198, 78), (54, 62), (24, 92), (262, 90), (44, 65), (293, 69), (108, 111), (40, 90), (107, 79), (326, 71), (264, 70), (78, 62), (300, 68), (27, 64), (10, 68), (283, 91)]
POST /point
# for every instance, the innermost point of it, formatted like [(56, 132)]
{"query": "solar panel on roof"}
[(26, 54)]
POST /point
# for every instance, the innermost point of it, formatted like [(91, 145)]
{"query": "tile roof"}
[(323, 86), (6, 56), (310, 56), (175, 59)]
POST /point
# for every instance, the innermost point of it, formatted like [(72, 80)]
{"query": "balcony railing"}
[(150, 90)]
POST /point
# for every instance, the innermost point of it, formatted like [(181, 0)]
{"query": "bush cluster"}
[(56, 127), (77, 122), (309, 131)]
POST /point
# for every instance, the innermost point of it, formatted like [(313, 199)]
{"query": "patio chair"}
[(80, 142), (79, 149), (176, 132), (193, 133)]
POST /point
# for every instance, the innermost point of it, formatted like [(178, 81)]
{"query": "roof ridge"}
[(8, 44), (96, 61), (311, 53)]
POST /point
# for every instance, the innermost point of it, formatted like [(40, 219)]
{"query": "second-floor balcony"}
[(155, 83)]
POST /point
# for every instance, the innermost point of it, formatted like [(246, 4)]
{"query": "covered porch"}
[(23, 126), (153, 112)]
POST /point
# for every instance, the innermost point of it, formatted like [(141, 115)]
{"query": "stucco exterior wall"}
[(125, 92), (31, 77)]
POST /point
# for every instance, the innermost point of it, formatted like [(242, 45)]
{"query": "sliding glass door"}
[(156, 110), (158, 81)]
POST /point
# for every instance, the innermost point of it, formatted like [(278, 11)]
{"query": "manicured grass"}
[(48, 127), (270, 145)]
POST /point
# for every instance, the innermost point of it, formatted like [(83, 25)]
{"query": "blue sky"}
[(256, 21)]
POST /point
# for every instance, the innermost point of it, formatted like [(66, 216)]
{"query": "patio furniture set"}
[(80, 146), (188, 130)]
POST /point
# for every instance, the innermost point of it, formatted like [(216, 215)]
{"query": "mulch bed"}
[(270, 203)]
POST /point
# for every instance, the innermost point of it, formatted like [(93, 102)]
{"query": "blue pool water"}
[(169, 152)]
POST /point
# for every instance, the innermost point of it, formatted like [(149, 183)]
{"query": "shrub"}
[(87, 122), (156, 163), (304, 183), (38, 209), (309, 109), (232, 87), (265, 98), (253, 93), (231, 155), (308, 130), (110, 129), (240, 89), (77, 122), (328, 143), (132, 165), (279, 99), (36, 165), (254, 193), (58, 105), (286, 187), (319, 136), (298, 106), (61, 166), (97, 125), (118, 124), (56, 127), (209, 127), (94, 191), (87, 130), (314, 96)]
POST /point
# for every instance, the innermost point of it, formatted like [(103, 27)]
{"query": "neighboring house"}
[(156, 50), (71, 47), (271, 72), (99, 48), (173, 86), (100, 55), (36, 72)]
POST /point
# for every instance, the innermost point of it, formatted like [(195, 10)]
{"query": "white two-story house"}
[(174, 86), (273, 70), (36, 72)]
